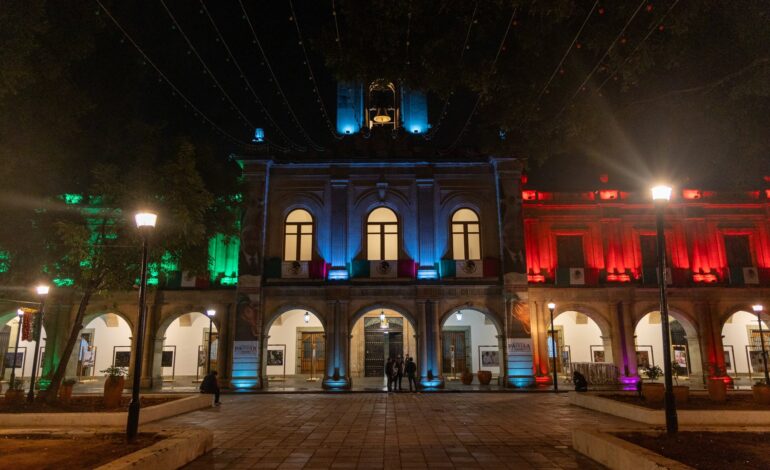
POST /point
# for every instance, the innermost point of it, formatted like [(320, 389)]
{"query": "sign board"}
[(519, 361), (245, 359)]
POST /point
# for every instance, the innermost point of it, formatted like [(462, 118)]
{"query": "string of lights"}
[(603, 57), (279, 89), (311, 75), (206, 69), (492, 71), (336, 28), (444, 108), (655, 27), (164, 77), (247, 83), (407, 62)]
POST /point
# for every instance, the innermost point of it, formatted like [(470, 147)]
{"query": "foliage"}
[(652, 373), (114, 371)]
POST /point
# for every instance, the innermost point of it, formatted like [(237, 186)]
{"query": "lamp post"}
[(660, 196), (210, 312), (42, 292), (19, 316), (758, 310), (551, 308), (145, 222)]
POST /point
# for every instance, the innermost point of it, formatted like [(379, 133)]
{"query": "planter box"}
[(118, 418), (617, 454), (658, 418)]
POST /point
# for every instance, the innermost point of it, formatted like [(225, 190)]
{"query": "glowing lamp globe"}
[(145, 219), (661, 193), (19, 312), (307, 317), (757, 308), (42, 289), (381, 117), (551, 306), (211, 312), (459, 315)]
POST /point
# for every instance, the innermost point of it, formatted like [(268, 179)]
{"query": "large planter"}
[(681, 394), (65, 392), (653, 392), (717, 390), (761, 394), (485, 377), (14, 397), (466, 377), (113, 391)]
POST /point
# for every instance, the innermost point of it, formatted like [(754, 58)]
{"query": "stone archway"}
[(181, 352), (741, 344), (9, 330), (580, 339), (105, 340), (471, 339), (295, 350), (685, 343)]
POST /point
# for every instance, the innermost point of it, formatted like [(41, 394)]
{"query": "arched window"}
[(382, 235), (298, 236), (465, 235)]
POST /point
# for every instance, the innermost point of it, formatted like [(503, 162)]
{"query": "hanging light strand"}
[(445, 107), (247, 83), (311, 75), (168, 81), (604, 56), (654, 27), (492, 71), (337, 28), (278, 87)]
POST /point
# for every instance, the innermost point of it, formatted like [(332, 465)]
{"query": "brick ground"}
[(492, 430)]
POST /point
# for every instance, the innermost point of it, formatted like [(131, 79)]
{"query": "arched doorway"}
[(470, 341), (376, 335), (104, 341), (184, 350), (742, 346), (295, 355), (25, 353), (579, 342), (685, 348)]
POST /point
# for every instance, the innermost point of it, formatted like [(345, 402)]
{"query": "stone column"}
[(426, 225), (712, 355), (339, 224), (336, 375), (429, 346), (224, 345), (518, 332)]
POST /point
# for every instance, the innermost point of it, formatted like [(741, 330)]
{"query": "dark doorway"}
[(454, 343), (312, 352), (378, 340)]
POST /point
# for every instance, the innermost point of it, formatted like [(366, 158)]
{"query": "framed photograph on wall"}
[(276, 361), (729, 359), (121, 356), (489, 357), (644, 357), (167, 359), (597, 353), (679, 357), (9, 362), (754, 356), (275, 357)]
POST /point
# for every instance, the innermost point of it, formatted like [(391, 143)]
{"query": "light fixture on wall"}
[(459, 315), (382, 316), (383, 321), (307, 317)]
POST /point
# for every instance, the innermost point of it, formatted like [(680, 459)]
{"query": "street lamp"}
[(661, 195), (19, 316), (145, 222), (210, 312), (758, 310), (551, 308), (42, 292)]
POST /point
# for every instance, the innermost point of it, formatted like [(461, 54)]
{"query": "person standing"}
[(389, 368), (399, 373), (410, 368)]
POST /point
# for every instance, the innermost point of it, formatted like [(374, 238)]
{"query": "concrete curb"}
[(644, 415), (115, 419), (617, 454), (177, 450)]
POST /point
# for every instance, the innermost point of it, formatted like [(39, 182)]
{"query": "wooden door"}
[(313, 353), (374, 358), (454, 342)]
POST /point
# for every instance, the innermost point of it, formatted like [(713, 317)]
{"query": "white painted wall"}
[(650, 334), (106, 338), (286, 333), (736, 334), (481, 335), (28, 352), (579, 338), (187, 339)]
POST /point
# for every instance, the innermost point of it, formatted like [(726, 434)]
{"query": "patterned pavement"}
[(372, 430)]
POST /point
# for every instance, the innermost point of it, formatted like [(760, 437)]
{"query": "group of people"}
[(398, 367)]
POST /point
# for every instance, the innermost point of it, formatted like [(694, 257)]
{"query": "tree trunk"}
[(52, 394)]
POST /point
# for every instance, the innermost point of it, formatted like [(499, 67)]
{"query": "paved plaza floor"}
[(372, 430)]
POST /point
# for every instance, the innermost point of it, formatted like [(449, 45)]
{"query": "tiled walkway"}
[(395, 431)]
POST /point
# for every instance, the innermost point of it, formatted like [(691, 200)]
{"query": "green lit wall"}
[(223, 259)]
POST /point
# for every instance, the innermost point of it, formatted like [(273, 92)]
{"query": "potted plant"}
[(485, 377), (761, 392), (15, 393), (651, 391), (113, 386), (466, 377), (65, 392), (716, 384), (681, 392)]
